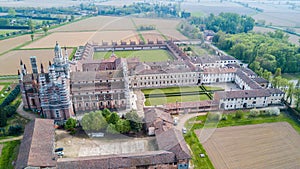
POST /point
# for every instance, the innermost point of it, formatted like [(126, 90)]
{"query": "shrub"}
[(224, 117), (239, 114), (70, 124), (214, 116), (15, 130), (273, 111), (254, 113)]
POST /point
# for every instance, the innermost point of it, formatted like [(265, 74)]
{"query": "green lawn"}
[(4, 31), (171, 90), (9, 154), (197, 148), (198, 14), (144, 55), (211, 88), (173, 99)]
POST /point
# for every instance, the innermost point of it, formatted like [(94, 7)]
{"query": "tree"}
[(135, 120), (277, 72), (93, 121), (111, 128), (70, 124), (123, 126), (4, 22), (113, 118), (12, 12), (45, 29), (32, 36), (106, 113), (15, 130), (3, 118), (290, 92)]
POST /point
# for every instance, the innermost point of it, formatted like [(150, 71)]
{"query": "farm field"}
[(151, 101), (292, 38), (10, 62), (4, 31), (99, 23), (36, 3), (253, 146), (152, 35), (207, 6), (74, 39), (144, 55)]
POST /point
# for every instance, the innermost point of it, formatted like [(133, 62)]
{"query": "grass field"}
[(172, 90), (198, 123), (4, 31), (143, 55), (291, 76), (9, 154), (173, 99)]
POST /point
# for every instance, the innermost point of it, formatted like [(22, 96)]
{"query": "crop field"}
[(99, 23), (74, 39), (152, 35), (268, 146), (10, 62), (207, 6), (144, 55), (36, 3)]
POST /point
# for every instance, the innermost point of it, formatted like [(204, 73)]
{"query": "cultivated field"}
[(152, 35), (144, 55), (99, 23), (10, 62), (215, 6), (11, 43), (37, 3), (267, 146), (74, 39)]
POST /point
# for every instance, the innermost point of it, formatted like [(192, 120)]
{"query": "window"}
[(57, 114)]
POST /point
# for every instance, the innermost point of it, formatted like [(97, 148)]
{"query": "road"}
[(25, 114), (11, 139)]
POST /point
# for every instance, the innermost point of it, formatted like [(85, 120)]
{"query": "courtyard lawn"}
[(9, 154), (172, 90), (198, 122), (173, 99), (212, 88), (158, 55)]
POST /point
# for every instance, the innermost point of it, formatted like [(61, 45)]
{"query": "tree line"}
[(108, 121), (262, 51), (231, 23)]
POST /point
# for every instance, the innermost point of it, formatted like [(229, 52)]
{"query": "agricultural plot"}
[(8, 44), (269, 145), (10, 62), (143, 55), (4, 31), (99, 23), (74, 39), (152, 36), (206, 7)]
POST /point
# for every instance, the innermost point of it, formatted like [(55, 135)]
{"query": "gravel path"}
[(25, 114)]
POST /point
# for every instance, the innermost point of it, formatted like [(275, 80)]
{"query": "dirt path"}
[(182, 118), (11, 139), (25, 114)]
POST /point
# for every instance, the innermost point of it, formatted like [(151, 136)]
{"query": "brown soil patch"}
[(74, 39), (1, 87), (270, 145), (10, 62)]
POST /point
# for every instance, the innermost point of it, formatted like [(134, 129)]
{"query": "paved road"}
[(182, 118), (11, 139), (25, 114)]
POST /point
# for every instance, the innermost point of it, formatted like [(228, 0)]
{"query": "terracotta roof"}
[(37, 146), (219, 70), (117, 160), (152, 114), (260, 80), (172, 140), (227, 57), (93, 75)]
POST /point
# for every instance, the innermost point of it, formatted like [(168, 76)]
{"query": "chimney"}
[(33, 65)]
